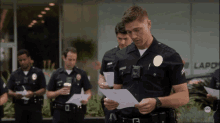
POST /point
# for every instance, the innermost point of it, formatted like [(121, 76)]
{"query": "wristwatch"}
[(158, 103)]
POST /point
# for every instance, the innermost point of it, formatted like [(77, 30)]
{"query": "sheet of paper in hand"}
[(77, 98), (122, 96), (109, 76), (213, 92)]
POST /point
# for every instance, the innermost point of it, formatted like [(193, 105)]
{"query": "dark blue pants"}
[(217, 116), (60, 116), (30, 113)]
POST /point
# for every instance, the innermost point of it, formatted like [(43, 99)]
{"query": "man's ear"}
[(149, 23), (63, 57)]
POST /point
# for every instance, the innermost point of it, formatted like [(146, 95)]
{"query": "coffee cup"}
[(68, 86)]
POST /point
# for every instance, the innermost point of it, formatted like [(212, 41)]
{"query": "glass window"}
[(38, 32), (6, 23)]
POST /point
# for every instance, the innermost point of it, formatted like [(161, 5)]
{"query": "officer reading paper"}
[(148, 69)]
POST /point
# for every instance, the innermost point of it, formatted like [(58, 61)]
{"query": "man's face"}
[(123, 40), (24, 61), (139, 32), (70, 60)]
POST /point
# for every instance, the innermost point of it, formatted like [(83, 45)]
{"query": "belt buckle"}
[(67, 107), (136, 120)]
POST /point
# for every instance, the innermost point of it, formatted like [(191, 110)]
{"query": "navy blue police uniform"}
[(215, 84), (68, 113), (143, 79), (28, 111), (3, 90), (108, 62)]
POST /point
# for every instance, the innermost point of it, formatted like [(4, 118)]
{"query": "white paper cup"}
[(68, 85)]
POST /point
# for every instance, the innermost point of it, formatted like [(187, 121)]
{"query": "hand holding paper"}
[(23, 93), (213, 92), (122, 96), (77, 98)]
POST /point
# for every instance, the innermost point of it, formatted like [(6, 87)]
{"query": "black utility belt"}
[(67, 107), (156, 117), (30, 101)]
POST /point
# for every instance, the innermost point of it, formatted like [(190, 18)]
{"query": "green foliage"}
[(46, 109), (85, 48), (193, 114), (193, 111), (198, 93), (94, 107), (9, 109)]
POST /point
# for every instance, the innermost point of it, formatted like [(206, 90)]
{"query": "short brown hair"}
[(120, 28), (133, 13), (69, 49)]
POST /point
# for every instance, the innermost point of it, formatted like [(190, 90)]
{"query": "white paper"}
[(213, 92), (122, 96), (23, 93), (109, 77), (77, 98)]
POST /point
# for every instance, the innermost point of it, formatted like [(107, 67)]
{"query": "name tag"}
[(59, 81), (122, 68), (17, 82), (109, 63)]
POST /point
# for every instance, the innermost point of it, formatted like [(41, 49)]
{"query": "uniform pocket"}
[(155, 72), (59, 84), (153, 79), (125, 74)]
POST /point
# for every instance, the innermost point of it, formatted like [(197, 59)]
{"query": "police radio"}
[(136, 72)]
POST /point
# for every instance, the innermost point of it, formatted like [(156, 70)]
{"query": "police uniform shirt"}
[(153, 81), (108, 61), (33, 81), (3, 87), (215, 84), (59, 77)]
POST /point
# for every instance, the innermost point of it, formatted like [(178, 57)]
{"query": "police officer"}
[(148, 69), (3, 97), (108, 62), (77, 79), (31, 80), (215, 84)]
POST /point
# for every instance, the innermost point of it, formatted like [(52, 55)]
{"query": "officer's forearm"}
[(40, 92), (175, 100), (52, 94), (11, 93), (3, 99)]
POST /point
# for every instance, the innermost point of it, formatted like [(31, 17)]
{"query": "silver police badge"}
[(158, 60), (78, 77), (34, 76)]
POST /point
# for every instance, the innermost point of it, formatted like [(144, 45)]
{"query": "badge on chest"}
[(78, 77), (34, 76), (158, 60)]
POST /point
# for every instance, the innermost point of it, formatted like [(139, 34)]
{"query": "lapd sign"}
[(202, 67)]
